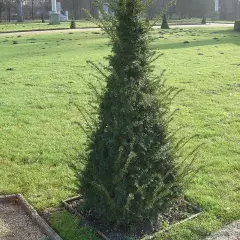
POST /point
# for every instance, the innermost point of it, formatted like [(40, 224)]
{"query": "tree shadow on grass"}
[(195, 43), (214, 38), (199, 231)]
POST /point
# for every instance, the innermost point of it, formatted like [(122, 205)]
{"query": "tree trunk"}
[(76, 9), (1, 10), (32, 9), (19, 11), (94, 10), (9, 11), (238, 11)]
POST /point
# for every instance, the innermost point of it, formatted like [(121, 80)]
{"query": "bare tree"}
[(6, 7), (9, 6), (75, 8), (2, 7), (32, 1), (236, 8)]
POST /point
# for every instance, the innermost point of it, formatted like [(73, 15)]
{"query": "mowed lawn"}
[(42, 75), (38, 25)]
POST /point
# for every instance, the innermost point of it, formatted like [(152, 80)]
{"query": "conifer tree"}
[(203, 20), (73, 24), (130, 174), (164, 22), (42, 18)]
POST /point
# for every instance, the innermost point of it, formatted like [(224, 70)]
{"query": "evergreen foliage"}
[(73, 24), (237, 26), (204, 20), (164, 22), (42, 18), (130, 173)]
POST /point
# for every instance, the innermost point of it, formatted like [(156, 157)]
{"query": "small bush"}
[(165, 23), (73, 24), (43, 21), (203, 20)]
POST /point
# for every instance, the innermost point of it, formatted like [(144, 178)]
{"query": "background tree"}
[(43, 7), (201, 8), (10, 7), (184, 8), (19, 11), (32, 3), (2, 8), (75, 8), (5, 7), (155, 8), (236, 8)]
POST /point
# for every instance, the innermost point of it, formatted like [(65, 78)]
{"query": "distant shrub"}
[(165, 23), (73, 24), (43, 21), (203, 20)]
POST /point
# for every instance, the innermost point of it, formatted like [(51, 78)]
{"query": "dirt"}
[(15, 224)]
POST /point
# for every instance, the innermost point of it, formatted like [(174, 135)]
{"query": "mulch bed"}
[(180, 212)]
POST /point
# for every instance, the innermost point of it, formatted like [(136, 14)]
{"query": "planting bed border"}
[(32, 213), (103, 236)]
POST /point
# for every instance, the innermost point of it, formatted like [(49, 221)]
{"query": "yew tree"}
[(130, 173)]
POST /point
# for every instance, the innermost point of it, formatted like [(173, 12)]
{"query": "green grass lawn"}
[(37, 25), (39, 134), (196, 21)]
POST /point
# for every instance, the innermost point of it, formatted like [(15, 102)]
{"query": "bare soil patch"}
[(15, 224)]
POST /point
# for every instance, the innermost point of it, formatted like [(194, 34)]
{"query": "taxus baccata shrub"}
[(130, 173), (164, 22), (73, 24), (204, 21)]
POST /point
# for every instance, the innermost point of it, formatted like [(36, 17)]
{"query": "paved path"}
[(51, 31), (229, 232), (98, 29)]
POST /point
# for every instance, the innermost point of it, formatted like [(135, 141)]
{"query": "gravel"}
[(16, 225), (229, 232)]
